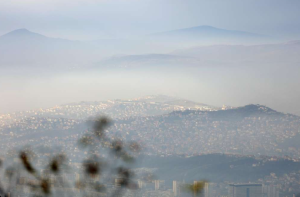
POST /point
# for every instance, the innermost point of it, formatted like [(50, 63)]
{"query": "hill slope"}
[(252, 129)]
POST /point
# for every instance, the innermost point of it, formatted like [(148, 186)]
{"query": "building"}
[(118, 182), (158, 184), (141, 184), (245, 190), (270, 191), (176, 188), (209, 189)]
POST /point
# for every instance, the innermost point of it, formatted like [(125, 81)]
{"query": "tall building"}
[(245, 190), (141, 184), (77, 182), (270, 190), (209, 190), (158, 184), (176, 188)]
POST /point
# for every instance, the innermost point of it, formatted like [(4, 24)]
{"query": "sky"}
[(96, 19)]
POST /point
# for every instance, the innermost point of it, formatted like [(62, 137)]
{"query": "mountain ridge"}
[(34, 49), (208, 31), (251, 129), (22, 32), (238, 113), (25, 33)]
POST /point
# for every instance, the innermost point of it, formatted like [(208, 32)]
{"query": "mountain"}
[(34, 50), (286, 53), (152, 105), (252, 129), (163, 126), (42, 52), (24, 49), (260, 56), (69, 121), (240, 113), (205, 33), (206, 30), (21, 35)]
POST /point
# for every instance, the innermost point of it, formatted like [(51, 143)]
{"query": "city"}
[(161, 135), (149, 98)]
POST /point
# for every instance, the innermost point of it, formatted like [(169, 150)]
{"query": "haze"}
[(126, 49)]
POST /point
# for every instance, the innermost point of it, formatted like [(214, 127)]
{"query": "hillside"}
[(250, 130), (116, 109), (253, 129)]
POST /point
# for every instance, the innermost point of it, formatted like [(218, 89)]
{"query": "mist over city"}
[(150, 98)]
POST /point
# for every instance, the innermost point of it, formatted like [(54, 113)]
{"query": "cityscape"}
[(149, 98), (155, 122)]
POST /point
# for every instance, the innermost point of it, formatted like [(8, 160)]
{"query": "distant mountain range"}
[(206, 32), (267, 53), (22, 35), (39, 51), (216, 55), (23, 48)]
